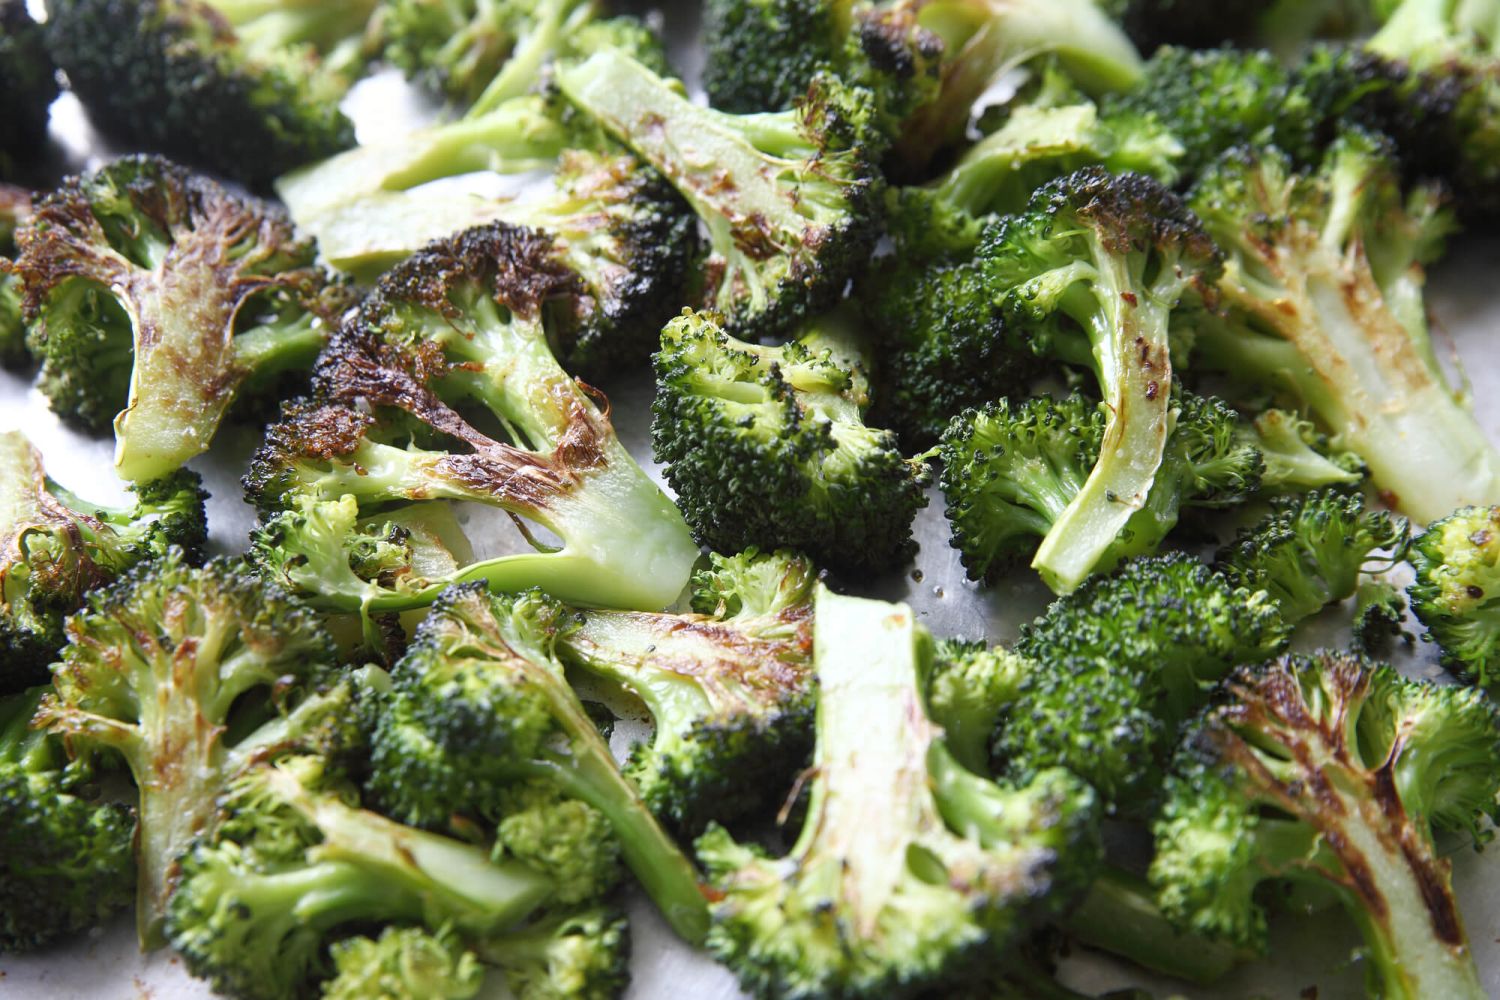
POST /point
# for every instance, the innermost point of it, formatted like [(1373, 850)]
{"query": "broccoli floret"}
[(465, 322), (156, 294), (293, 860), (971, 686), (808, 472), (911, 871), (1296, 455), (1379, 617), (1311, 549), (480, 703), (404, 963), (790, 200), (1333, 772), (123, 685), (1010, 471), (56, 548), (247, 89), (1322, 300), (730, 692), (65, 854), (15, 206), (578, 954), (29, 82), (1456, 593)]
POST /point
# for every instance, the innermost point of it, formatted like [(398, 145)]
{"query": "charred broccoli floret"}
[(29, 82), (55, 548), (65, 858), (729, 687), (404, 963), (1333, 772), (910, 870), (123, 685), (479, 706), (156, 297), (247, 89), (348, 481), (1457, 590), (807, 472)]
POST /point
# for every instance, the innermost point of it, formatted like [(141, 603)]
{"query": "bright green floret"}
[(404, 963), (1296, 455), (1457, 590), (579, 954), (1333, 773), (768, 446), (15, 206)]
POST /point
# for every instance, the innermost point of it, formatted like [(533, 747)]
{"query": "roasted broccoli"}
[(56, 547), (15, 206), (1010, 471), (807, 472), (1333, 772), (29, 82), (185, 725), (581, 954), (247, 88), (1312, 548), (404, 963), (910, 871), (1457, 590), (729, 687), (346, 481), (790, 200), (65, 857), (1322, 300), (481, 722), (156, 297), (1296, 456)]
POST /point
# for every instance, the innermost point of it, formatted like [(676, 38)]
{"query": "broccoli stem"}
[(551, 26)]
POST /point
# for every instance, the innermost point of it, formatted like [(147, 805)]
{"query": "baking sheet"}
[(1313, 956)]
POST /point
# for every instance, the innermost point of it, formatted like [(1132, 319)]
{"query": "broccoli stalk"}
[(466, 321), (200, 289), (1457, 561), (404, 963), (124, 684), (789, 199), (910, 870), (729, 689), (1332, 772), (1323, 298)]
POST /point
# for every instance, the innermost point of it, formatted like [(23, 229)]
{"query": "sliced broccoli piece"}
[(479, 704), (29, 82), (808, 472), (1457, 590), (404, 963), (1311, 549), (1333, 772), (790, 200), (729, 691), (1296, 455), (1322, 295), (123, 685), (911, 870), (582, 953), (147, 271), (464, 323), (247, 89), (65, 853), (55, 548)]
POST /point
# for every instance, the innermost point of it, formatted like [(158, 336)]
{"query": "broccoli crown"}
[(55, 548), (1310, 550), (121, 685), (65, 855), (1456, 593), (1296, 455), (125, 268), (404, 963), (1333, 771), (1322, 302), (246, 90), (910, 870), (464, 323), (578, 954), (809, 473), (29, 81), (790, 200), (293, 860), (729, 691), (1121, 662), (479, 704)]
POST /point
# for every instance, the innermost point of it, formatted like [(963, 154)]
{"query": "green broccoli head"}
[(1457, 560), (155, 295), (562, 837), (29, 81), (248, 90), (910, 870), (790, 200), (808, 473), (65, 853), (729, 690), (572, 954), (404, 963), (1333, 772), (57, 549), (1296, 455), (970, 687)]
